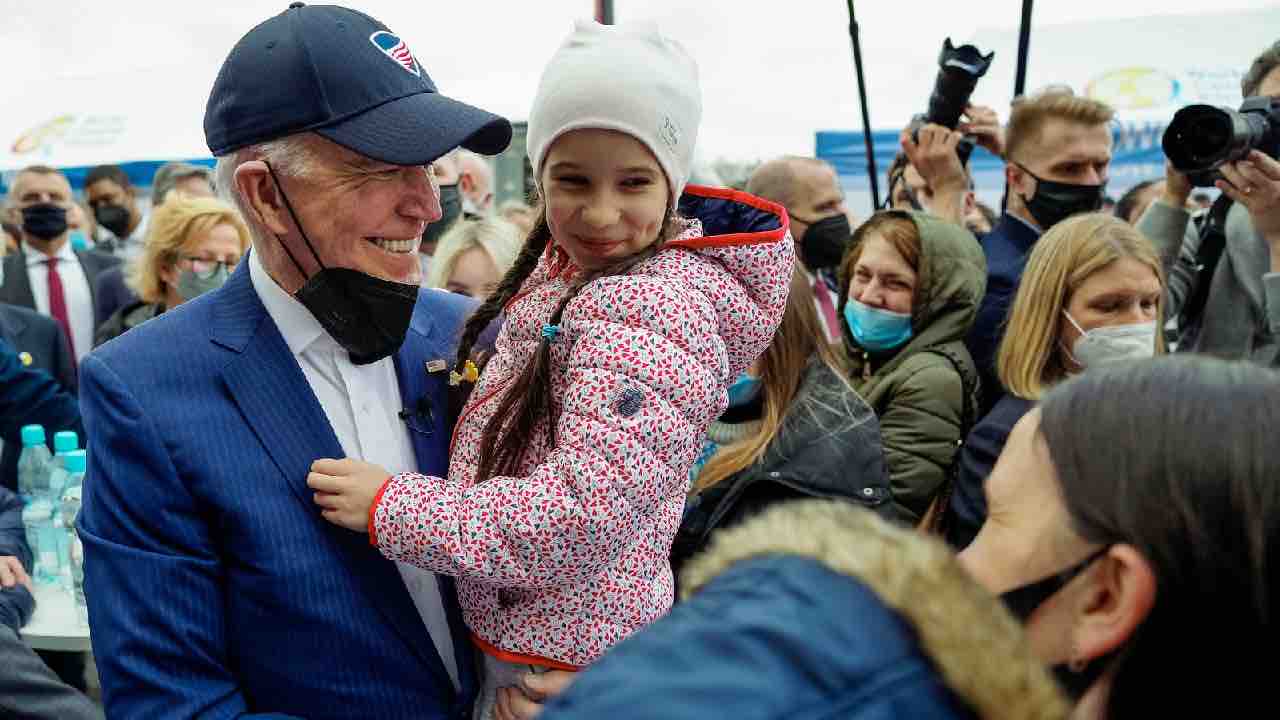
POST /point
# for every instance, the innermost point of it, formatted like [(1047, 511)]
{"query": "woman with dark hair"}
[(1126, 536), (795, 428)]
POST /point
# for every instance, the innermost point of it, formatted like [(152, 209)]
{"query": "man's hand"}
[(1254, 182), (984, 125), (12, 573), (1177, 187), (934, 157), (345, 490), (525, 702)]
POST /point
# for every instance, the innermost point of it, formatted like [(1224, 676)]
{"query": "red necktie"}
[(58, 306), (823, 295)]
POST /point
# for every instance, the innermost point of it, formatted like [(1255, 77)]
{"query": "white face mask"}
[(1112, 343)]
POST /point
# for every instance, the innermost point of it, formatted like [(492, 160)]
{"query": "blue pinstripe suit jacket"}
[(215, 589)]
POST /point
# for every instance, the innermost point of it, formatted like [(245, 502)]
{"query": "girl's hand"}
[(345, 490)]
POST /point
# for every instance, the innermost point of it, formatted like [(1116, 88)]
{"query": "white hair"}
[(499, 239), (474, 163), (292, 155)]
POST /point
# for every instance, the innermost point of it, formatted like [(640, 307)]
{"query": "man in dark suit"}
[(215, 587), (40, 346), (49, 276), (1057, 153)]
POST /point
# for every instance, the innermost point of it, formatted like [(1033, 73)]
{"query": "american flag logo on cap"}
[(393, 47)]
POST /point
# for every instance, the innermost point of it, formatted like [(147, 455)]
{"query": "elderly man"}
[(215, 588), (190, 180), (475, 181)]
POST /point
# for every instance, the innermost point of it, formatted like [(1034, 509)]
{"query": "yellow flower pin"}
[(25, 357), (470, 373)]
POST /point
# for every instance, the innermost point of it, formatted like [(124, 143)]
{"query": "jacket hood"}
[(950, 284), (979, 649), (750, 238)]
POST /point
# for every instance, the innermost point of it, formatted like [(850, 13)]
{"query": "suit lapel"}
[(17, 285), (273, 394)]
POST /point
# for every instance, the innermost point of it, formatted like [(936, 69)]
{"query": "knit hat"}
[(628, 78)]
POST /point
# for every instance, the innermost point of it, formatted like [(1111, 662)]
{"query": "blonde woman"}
[(191, 247), (794, 428), (1092, 294), (473, 256)]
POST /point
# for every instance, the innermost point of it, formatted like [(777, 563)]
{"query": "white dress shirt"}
[(75, 290), (362, 403), (130, 247)]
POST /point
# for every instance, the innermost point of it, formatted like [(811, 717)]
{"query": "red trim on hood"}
[(732, 239)]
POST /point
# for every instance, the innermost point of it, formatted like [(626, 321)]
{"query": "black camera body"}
[(1201, 138), (959, 69)]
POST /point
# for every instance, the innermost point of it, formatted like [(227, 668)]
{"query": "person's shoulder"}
[(27, 316), (99, 258), (176, 336)]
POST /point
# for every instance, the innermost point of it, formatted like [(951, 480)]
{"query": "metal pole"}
[(866, 116), (1024, 43), (604, 12)]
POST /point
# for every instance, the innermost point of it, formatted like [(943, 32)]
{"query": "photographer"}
[(929, 175), (1243, 288), (1058, 151)]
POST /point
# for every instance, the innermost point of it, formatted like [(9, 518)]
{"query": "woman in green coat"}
[(910, 288)]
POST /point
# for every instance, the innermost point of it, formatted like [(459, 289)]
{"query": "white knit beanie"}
[(628, 78)]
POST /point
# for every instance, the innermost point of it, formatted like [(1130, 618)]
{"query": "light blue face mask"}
[(743, 390), (876, 330), (79, 241)]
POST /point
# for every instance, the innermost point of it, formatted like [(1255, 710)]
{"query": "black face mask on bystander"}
[(1022, 603)]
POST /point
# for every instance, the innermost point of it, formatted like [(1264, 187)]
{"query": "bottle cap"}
[(65, 440), (32, 435)]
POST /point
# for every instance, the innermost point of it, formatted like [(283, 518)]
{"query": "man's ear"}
[(466, 183), (970, 203), (1120, 596), (262, 198)]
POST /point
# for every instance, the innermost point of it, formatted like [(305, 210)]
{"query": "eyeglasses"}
[(204, 268)]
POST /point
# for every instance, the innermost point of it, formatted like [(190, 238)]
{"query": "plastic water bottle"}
[(33, 464), (37, 520), (64, 441), (73, 559)]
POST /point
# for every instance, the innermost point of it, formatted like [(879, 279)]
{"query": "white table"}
[(56, 625)]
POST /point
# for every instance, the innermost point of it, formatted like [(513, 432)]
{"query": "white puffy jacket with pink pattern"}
[(569, 556)]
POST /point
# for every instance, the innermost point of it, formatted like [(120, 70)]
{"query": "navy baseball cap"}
[(345, 76)]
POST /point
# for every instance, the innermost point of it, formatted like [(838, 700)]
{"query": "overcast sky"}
[(772, 72)]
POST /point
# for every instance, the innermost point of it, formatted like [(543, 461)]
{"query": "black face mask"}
[(824, 243), (114, 218), (450, 210), (44, 220), (1053, 202), (1022, 603), (367, 316)]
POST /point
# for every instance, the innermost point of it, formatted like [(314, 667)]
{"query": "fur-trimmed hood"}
[(978, 648)]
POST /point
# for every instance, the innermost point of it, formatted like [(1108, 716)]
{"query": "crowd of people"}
[(364, 443)]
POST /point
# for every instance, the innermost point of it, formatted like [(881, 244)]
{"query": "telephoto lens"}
[(1200, 138), (958, 73)]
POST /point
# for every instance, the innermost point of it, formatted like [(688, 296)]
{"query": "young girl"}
[(625, 323)]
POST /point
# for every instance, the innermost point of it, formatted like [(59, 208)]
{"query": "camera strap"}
[(1213, 240)]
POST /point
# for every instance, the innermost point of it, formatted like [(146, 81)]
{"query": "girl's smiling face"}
[(606, 196)]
